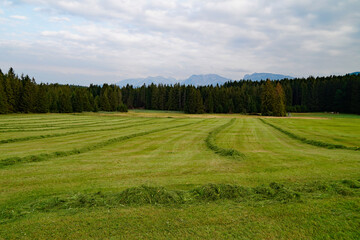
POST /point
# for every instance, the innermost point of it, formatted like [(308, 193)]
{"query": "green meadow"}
[(168, 175)]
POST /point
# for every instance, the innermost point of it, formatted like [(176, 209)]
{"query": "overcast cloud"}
[(94, 41)]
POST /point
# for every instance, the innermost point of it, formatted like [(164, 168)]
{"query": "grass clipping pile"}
[(142, 195)]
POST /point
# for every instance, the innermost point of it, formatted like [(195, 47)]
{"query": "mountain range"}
[(197, 80), (138, 82), (265, 76)]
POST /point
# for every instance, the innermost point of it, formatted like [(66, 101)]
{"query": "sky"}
[(105, 41)]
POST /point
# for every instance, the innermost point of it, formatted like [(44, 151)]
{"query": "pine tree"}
[(199, 107), (77, 100), (3, 99), (268, 98), (42, 100), (96, 104), (154, 97), (104, 98), (194, 102), (8, 78), (279, 102), (65, 105), (27, 97), (173, 100), (112, 98)]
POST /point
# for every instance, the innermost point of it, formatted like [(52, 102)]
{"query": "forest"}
[(22, 94), (329, 94)]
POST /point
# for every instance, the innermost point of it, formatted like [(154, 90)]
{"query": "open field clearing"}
[(168, 175)]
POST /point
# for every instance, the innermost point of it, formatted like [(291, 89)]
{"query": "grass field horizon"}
[(163, 174)]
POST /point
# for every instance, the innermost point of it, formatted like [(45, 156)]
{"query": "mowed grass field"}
[(168, 175)]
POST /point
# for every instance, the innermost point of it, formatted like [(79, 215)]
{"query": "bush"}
[(122, 108)]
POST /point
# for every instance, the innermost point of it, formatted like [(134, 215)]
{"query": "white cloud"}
[(18, 17), (59, 19), (181, 37)]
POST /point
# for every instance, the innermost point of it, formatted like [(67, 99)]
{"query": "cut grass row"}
[(309, 141), (12, 140), (142, 195), (68, 125), (211, 142), (45, 156), (52, 124)]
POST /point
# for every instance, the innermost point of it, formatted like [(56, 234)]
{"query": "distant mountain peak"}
[(195, 80), (205, 79), (265, 76), (138, 82)]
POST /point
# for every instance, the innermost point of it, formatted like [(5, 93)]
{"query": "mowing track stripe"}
[(309, 141), (51, 128), (210, 143), (44, 156), (12, 140)]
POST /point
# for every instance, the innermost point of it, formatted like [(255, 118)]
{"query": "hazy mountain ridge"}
[(265, 76), (138, 82), (203, 80), (196, 80)]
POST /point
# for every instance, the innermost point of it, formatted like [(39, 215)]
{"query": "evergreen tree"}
[(354, 93), (97, 103), (173, 99), (10, 77), (199, 106), (42, 100), (77, 100), (279, 101), (3, 99), (194, 103), (268, 99), (154, 97), (27, 97), (64, 103), (104, 98)]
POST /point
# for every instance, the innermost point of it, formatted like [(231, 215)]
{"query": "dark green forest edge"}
[(264, 194), (330, 94), (45, 156), (211, 143), (309, 141)]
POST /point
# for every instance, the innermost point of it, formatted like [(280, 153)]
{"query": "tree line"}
[(22, 94), (246, 97), (331, 94)]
